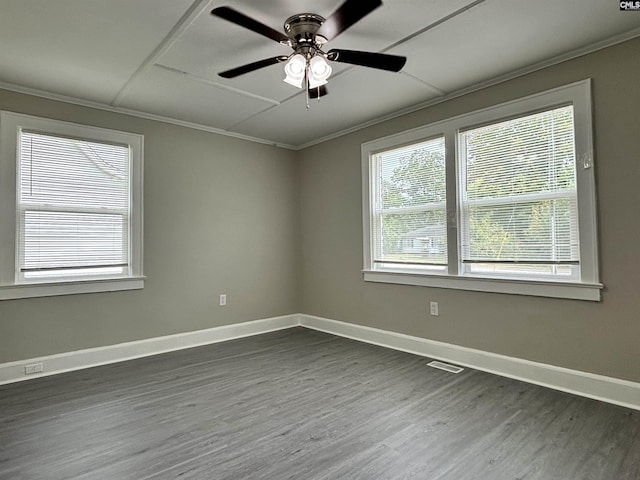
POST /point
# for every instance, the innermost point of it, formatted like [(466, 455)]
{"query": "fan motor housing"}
[(302, 27)]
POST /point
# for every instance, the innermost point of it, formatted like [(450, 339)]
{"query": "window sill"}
[(572, 290), (31, 290)]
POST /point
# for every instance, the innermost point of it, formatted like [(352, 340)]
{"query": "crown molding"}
[(609, 42), (137, 113)]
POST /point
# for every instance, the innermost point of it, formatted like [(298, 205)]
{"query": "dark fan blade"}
[(241, 19), (393, 63), (318, 92), (250, 67), (347, 14)]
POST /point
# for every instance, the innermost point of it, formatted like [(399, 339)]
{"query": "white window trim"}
[(588, 288), (10, 288)]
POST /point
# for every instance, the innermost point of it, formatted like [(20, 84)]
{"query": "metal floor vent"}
[(445, 366)]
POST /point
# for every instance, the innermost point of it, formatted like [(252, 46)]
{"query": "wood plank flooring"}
[(299, 404)]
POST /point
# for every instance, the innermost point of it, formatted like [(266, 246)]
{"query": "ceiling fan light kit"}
[(306, 33), (295, 70), (319, 71)]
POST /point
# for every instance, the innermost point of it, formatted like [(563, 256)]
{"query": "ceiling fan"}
[(306, 34)]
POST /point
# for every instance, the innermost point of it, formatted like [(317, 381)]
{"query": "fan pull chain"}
[(306, 85)]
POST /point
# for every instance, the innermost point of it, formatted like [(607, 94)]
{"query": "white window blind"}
[(73, 207), (409, 206), (519, 210)]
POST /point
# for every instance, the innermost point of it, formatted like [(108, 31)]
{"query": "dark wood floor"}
[(299, 404)]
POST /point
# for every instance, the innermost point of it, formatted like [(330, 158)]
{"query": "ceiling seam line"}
[(433, 25), (439, 91), (231, 127), (196, 8), (206, 81)]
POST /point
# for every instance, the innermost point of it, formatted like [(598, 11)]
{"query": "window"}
[(71, 213), (409, 207), (518, 197), (499, 200)]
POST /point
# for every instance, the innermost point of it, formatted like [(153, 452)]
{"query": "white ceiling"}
[(161, 57)]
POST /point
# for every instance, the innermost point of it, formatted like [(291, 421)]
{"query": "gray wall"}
[(221, 215), (594, 337), (280, 232)]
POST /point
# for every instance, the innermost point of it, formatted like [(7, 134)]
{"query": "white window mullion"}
[(523, 198), (63, 209), (452, 204), (414, 209)]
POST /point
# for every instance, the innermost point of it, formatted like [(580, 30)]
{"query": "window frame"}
[(578, 95), (11, 286)]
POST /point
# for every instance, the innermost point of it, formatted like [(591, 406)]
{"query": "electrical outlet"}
[(223, 299), (433, 309), (33, 368)]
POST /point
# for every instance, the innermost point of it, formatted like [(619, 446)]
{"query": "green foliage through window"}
[(412, 196), (519, 200)]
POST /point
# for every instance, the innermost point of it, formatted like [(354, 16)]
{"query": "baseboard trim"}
[(93, 357), (598, 387)]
